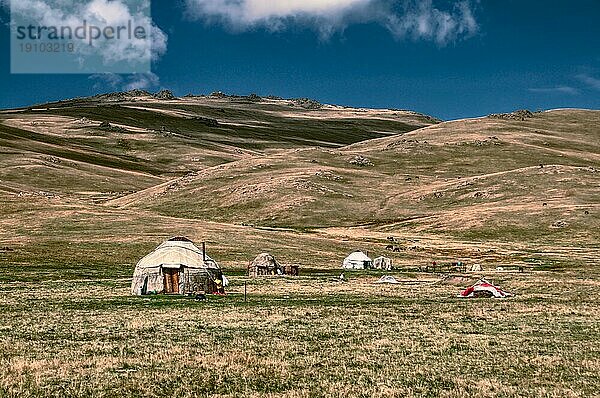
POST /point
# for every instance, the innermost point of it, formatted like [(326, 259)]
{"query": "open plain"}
[(89, 186)]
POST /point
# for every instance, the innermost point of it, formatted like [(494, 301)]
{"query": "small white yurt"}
[(357, 260), (177, 267)]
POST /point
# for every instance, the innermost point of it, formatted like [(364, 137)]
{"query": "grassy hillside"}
[(117, 143), (529, 183), (485, 178)]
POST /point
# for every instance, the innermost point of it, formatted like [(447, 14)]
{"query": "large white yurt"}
[(177, 267), (357, 260)]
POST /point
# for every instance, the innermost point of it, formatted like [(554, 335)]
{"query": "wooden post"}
[(245, 290), (204, 251)]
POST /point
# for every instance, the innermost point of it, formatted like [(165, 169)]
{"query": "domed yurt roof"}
[(358, 256), (265, 260), (357, 260), (175, 253)]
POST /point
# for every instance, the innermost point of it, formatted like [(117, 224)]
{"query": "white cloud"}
[(419, 20), (100, 13), (589, 80), (137, 81), (555, 90), (142, 81)]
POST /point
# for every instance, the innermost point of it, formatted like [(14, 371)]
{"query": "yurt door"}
[(171, 281)]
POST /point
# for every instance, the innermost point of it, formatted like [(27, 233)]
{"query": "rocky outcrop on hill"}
[(131, 95), (137, 93), (360, 161), (307, 103), (254, 98), (521, 114), (165, 95), (122, 95)]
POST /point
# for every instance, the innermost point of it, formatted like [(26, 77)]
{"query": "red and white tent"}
[(484, 288)]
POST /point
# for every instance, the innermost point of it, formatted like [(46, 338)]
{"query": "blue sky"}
[(450, 59)]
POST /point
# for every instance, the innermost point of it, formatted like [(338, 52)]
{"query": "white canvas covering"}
[(190, 270), (484, 288), (388, 279), (357, 260), (177, 253), (384, 263)]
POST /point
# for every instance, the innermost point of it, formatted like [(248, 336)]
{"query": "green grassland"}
[(303, 337), (80, 204)]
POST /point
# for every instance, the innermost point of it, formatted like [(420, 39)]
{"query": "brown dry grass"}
[(302, 338)]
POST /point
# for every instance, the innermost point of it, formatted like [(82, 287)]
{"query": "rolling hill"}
[(128, 141), (114, 174), (486, 178)]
